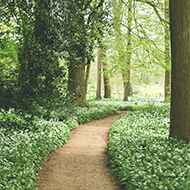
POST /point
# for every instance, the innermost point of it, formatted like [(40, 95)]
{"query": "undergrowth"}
[(142, 156), (23, 148), (24, 144)]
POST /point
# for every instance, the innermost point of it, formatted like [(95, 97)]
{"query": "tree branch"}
[(154, 6)]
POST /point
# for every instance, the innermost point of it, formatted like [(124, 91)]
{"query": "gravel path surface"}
[(81, 163)]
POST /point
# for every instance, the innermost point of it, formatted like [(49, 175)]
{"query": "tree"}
[(86, 22), (99, 74), (126, 72), (180, 75), (38, 64), (37, 68), (106, 76), (45, 31), (102, 70), (8, 62), (167, 53), (140, 46), (123, 59)]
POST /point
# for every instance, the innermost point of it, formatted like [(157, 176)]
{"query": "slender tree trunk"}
[(126, 73), (99, 74), (107, 90), (87, 77), (167, 85), (180, 77), (167, 53), (124, 61)]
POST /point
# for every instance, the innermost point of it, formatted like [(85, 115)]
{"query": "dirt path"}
[(81, 163)]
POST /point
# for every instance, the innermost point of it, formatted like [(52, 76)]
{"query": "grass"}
[(142, 156)]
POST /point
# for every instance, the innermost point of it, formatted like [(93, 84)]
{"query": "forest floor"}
[(81, 163)]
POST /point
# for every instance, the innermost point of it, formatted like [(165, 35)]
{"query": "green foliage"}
[(85, 115), (29, 65), (26, 144), (64, 112), (11, 121), (22, 151), (91, 93), (8, 62), (71, 123), (133, 104), (142, 156), (147, 35), (44, 31)]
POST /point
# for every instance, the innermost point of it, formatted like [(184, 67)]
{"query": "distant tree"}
[(126, 72), (106, 75), (103, 72), (161, 10), (86, 22), (167, 52), (137, 47), (99, 74), (180, 75), (124, 56)]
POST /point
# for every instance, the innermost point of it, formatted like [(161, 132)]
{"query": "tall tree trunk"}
[(99, 74), (77, 84), (167, 53), (107, 90), (126, 73), (124, 61), (180, 76)]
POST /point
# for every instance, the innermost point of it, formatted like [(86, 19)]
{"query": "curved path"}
[(81, 163)]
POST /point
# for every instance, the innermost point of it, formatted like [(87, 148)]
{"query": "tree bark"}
[(99, 74), (167, 85), (167, 53), (180, 77), (87, 73), (126, 75), (77, 84), (107, 90)]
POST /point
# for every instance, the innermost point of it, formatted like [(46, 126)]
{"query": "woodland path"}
[(81, 163)]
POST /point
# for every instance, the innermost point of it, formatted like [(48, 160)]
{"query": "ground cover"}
[(142, 156), (134, 103), (25, 144)]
